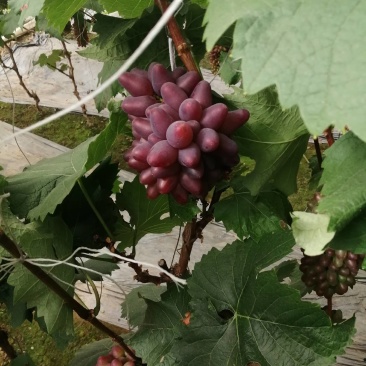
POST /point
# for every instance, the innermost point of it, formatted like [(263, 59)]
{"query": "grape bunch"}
[(182, 141), (214, 57), (116, 357), (331, 272)]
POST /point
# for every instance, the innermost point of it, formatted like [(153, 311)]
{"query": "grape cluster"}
[(182, 141), (214, 57), (116, 357), (331, 272)]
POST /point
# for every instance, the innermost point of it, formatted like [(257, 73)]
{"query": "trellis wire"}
[(175, 5)]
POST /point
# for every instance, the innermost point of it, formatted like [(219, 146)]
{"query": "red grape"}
[(159, 75), (162, 154), (178, 72), (173, 95), (234, 120), (137, 105), (160, 121), (166, 185), (195, 126), (214, 116), (152, 191), (167, 171), (208, 140), (190, 109), (179, 134), (137, 85), (142, 127), (190, 156), (202, 93), (180, 194), (141, 151), (146, 177), (193, 186), (188, 81), (104, 360)]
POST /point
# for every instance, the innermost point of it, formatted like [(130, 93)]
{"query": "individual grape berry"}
[(104, 360), (331, 272), (179, 134), (182, 142)]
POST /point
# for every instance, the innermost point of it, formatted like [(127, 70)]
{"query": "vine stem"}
[(318, 152), (181, 45), (72, 77), (31, 94), (84, 313)]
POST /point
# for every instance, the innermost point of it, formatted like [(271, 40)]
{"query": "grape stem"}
[(181, 45), (54, 286), (329, 307), (192, 232)]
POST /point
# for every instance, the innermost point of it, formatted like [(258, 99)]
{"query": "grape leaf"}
[(22, 360), (311, 231), (58, 13), (38, 190), (315, 60), (352, 237), (51, 60), (134, 306), (184, 212), (127, 9), (248, 215), (343, 174), (240, 315), (145, 215), (229, 69), (275, 138), (87, 355), (104, 264), (22, 9), (162, 326), (53, 240)]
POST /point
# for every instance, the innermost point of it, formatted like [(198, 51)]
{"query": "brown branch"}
[(318, 152), (181, 45), (6, 346), (72, 78), (31, 93), (84, 313), (192, 232), (329, 136)]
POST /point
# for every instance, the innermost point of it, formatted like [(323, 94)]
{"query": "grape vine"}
[(200, 157)]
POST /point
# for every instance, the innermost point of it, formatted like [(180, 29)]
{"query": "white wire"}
[(98, 253), (144, 44)]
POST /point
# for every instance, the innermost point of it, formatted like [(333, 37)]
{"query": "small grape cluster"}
[(116, 357), (331, 272), (214, 57), (182, 141)]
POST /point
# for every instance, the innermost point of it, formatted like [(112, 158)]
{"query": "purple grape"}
[(178, 72), (166, 185), (188, 81), (179, 134), (146, 177), (195, 173), (193, 186), (135, 84), (158, 76), (180, 194), (152, 191), (190, 109), (190, 156), (137, 165), (208, 140), (214, 116), (173, 95), (234, 120), (227, 145), (153, 139), (159, 172), (162, 154), (195, 126), (202, 93), (140, 72), (141, 151), (104, 360), (142, 127), (137, 105), (151, 107), (160, 121)]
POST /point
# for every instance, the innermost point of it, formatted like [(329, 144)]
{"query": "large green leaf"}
[(254, 216), (145, 215), (241, 316), (88, 354), (275, 138), (134, 306), (53, 240), (58, 13), (352, 237), (127, 9), (344, 175), (313, 50), (162, 326), (38, 190)]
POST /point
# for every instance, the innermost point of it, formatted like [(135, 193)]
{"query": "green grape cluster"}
[(332, 272)]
